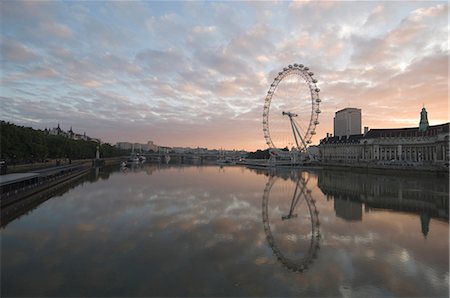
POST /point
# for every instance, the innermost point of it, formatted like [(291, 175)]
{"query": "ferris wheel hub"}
[(289, 114)]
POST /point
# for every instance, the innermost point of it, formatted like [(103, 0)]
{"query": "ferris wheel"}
[(291, 109)]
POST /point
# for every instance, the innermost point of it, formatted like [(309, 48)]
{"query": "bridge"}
[(190, 156)]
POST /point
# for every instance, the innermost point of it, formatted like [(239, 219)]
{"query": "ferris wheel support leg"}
[(304, 144), (293, 131), (298, 132)]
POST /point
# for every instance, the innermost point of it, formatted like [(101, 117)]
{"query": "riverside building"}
[(347, 122), (423, 145)]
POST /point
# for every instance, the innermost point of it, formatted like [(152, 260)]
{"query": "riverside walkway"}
[(14, 187)]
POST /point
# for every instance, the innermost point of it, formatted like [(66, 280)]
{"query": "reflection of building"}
[(425, 223), (347, 209), (347, 122), (424, 195), (426, 145)]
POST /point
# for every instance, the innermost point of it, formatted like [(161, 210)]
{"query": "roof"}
[(16, 177), (388, 132), (342, 139), (19, 177), (348, 109), (407, 131)]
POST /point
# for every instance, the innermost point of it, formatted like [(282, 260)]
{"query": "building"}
[(124, 145), (57, 131), (150, 146), (347, 122), (426, 145)]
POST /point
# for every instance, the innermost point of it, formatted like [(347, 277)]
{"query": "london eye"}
[(291, 109)]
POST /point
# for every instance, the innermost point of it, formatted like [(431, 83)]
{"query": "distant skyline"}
[(188, 74)]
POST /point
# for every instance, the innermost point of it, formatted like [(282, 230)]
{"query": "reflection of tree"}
[(301, 194)]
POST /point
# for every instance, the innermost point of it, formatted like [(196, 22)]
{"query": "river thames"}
[(205, 230)]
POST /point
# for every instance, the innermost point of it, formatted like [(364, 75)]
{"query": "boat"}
[(167, 158), (142, 158), (225, 161), (133, 159)]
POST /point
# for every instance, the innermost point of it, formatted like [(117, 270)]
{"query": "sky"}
[(189, 74)]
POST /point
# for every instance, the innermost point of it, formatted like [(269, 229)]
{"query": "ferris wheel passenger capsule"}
[(318, 111), (313, 132), (306, 68), (285, 68), (300, 65), (314, 81), (295, 64), (290, 66), (318, 100), (316, 122), (317, 90), (310, 73)]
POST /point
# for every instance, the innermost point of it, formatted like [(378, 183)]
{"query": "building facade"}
[(152, 146), (57, 131), (425, 144), (347, 122), (138, 147)]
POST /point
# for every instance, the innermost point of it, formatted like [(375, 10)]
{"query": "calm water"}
[(182, 230)]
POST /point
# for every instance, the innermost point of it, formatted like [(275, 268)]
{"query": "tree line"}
[(261, 154), (24, 144)]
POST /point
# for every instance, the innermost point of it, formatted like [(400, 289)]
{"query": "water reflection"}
[(352, 192), (27, 205), (177, 230), (283, 233)]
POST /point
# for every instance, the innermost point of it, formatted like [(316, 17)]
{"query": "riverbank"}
[(388, 167), (24, 204), (17, 186), (29, 167), (374, 167)]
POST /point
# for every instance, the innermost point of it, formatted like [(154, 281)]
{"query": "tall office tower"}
[(347, 122)]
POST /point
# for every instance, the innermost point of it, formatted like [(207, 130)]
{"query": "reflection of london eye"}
[(282, 228)]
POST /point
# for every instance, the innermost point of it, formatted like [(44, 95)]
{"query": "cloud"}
[(197, 73), (14, 51), (161, 63), (57, 30)]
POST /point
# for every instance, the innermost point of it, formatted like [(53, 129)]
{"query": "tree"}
[(24, 144)]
